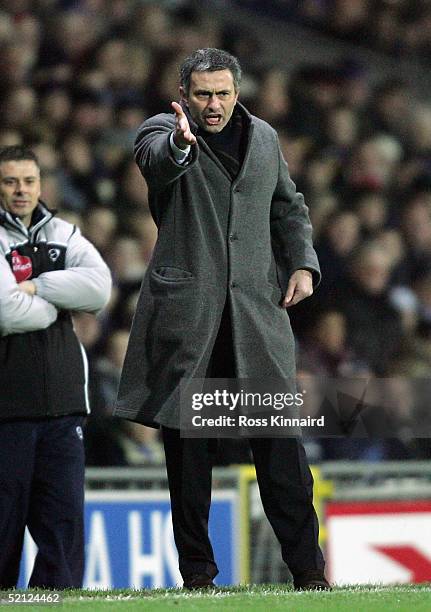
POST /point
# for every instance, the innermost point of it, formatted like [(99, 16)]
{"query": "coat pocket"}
[(170, 274), (176, 297)]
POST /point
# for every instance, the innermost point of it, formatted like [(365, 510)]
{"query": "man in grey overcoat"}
[(234, 250)]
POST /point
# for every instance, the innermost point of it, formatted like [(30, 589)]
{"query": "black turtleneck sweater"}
[(230, 144)]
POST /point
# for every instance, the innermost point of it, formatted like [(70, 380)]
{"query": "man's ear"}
[(183, 94)]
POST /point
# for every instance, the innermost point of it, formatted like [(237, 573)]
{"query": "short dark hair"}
[(209, 60), (17, 153)]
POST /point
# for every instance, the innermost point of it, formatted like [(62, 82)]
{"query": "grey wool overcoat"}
[(218, 240)]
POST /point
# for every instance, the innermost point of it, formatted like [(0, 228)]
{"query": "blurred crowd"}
[(78, 77), (401, 28)]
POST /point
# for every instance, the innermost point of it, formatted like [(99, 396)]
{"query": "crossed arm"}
[(84, 284), (19, 311)]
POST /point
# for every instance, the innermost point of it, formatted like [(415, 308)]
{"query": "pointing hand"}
[(183, 136)]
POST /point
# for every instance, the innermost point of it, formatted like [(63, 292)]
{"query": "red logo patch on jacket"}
[(21, 267)]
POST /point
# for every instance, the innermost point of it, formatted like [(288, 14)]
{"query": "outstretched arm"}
[(154, 154)]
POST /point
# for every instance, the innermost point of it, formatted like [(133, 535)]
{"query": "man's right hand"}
[(183, 136), (27, 287)]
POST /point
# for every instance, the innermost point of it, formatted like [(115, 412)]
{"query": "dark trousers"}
[(42, 487), (284, 479), (285, 485)]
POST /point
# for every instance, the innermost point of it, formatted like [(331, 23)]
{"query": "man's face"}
[(20, 188), (211, 99)]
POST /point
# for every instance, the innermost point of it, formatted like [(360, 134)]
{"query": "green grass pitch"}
[(259, 598)]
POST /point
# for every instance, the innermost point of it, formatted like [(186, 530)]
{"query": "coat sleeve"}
[(154, 156), (19, 312), (291, 229), (84, 284)]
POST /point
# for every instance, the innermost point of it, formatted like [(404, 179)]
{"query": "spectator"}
[(327, 353), (100, 227), (339, 238), (374, 327)]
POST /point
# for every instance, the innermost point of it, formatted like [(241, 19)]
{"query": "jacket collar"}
[(41, 216)]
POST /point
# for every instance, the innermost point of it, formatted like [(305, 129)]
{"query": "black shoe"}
[(311, 580), (198, 581)]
